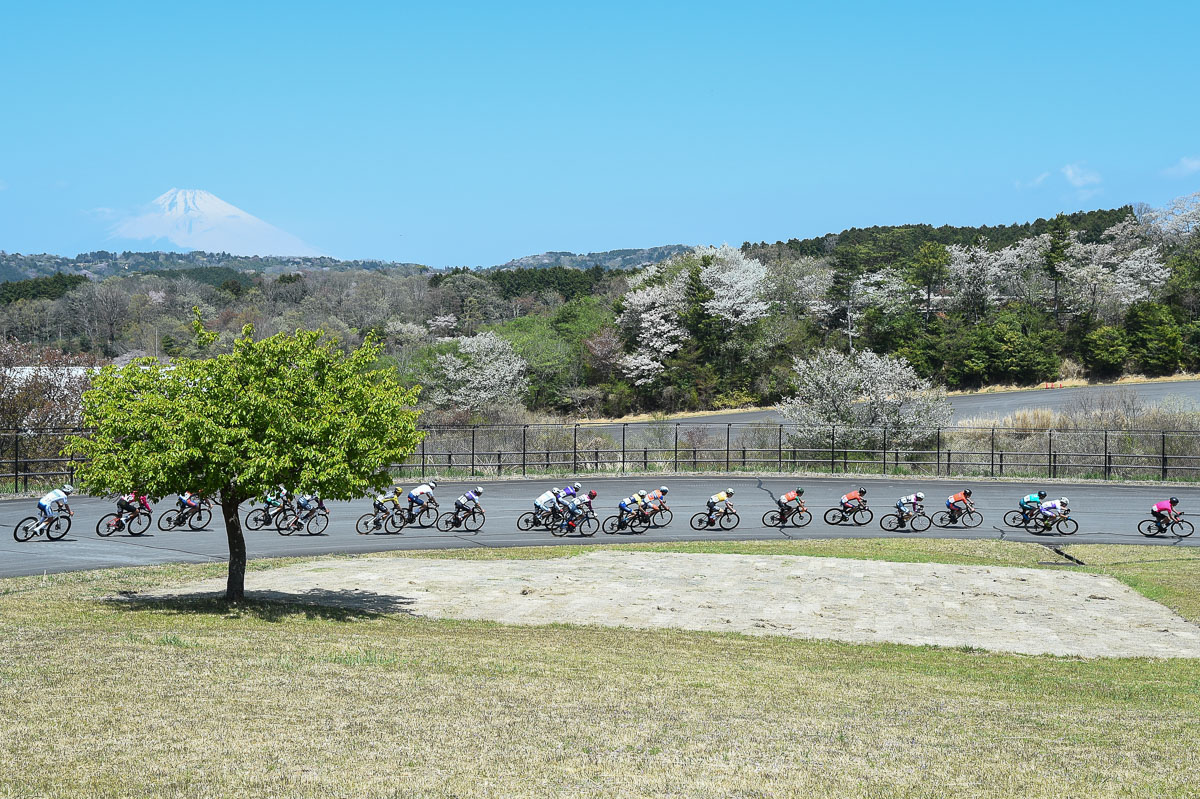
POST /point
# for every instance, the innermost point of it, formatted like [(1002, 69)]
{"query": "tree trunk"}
[(235, 587)]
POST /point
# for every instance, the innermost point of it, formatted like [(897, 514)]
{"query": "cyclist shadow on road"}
[(326, 604)]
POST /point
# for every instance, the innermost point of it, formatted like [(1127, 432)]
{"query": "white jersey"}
[(578, 504), (1053, 506), (911, 499), (57, 495), (422, 490), (546, 498)]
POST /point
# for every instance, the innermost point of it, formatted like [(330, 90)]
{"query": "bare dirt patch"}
[(1030, 611)]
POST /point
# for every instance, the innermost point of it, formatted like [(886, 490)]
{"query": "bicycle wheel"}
[(729, 521), (445, 522), (941, 519), (396, 522), (365, 524), (317, 524), (25, 529), (611, 525), (1182, 528), (1036, 526), (771, 519), (588, 527), (166, 521), (138, 524), (58, 528), (639, 523), (919, 523), (1067, 526), (1014, 518), (1149, 528), (285, 522), (971, 518), (107, 525), (426, 517), (834, 516), (699, 521), (800, 518), (473, 523), (558, 530), (662, 518), (863, 516), (527, 521), (257, 519), (200, 519), (890, 522)]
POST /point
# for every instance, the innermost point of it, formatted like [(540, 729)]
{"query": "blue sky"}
[(464, 133)]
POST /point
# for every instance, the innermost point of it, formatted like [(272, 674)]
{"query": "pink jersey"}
[(1164, 506)]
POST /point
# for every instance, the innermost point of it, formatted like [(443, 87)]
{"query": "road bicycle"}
[(55, 527), (859, 516), (637, 522), (425, 516), (471, 521), (196, 518), (587, 526), (539, 518), (1063, 525), (914, 522), (796, 517), (1180, 528), (273, 515), (111, 523), (726, 519), (312, 520), (945, 518), (388, 521), (1018, 518)]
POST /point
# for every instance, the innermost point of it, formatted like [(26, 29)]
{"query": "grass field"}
[(103, 698)]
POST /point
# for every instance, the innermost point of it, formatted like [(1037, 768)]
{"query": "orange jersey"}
[(959, 497), (790, 496), (654, 496), (853, 495)]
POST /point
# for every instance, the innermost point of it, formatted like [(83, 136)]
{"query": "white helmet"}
[(663, 489), (478, 490), (68, 489), (921, 495), (642, 493), (1063, 501), (433, 483)]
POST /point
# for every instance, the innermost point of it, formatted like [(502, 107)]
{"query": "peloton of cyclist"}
[(959, 503), (720, 498), (909, 506), (46, 505), (1031, 503), (1163, 512), (854, 500)]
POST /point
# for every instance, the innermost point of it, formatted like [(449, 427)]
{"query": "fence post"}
[(728, 427), (499, 465), (624, 428), (524, 434), (1164, 455), (575, 451), (1050, 452), (832, 446), (1107, 457), (884, 450), (422, 458), (939, 452), (780, 465), (16, 460), (992, 468), (677, 446)]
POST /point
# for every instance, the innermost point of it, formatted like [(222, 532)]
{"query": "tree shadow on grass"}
[(350, 604)]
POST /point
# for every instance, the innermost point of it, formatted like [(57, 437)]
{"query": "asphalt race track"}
[(1106, 514)]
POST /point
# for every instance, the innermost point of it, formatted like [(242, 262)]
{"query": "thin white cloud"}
[(1186, 166), (1079, 176), (1029, 184)]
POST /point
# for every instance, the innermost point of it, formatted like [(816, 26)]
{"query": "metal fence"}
[(32, 458)]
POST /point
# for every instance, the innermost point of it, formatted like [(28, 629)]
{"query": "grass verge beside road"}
[(197, 698)]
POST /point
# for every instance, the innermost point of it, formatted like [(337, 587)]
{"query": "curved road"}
[(1106, 514)]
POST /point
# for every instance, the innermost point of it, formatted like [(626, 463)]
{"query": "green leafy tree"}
[(930, 267), (1104, 351), (1155, 343), (291, 409)]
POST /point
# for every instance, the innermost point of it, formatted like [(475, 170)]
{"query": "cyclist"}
[(717, 499), (959, 503), (854, 500), (420, 495), (546, 502), (1053, 509), (276, 498), (380, 506), (464, 504), (657, 499), (1031, 503), (308, 504), (188, 503), (1163, 512), (785, 502), (577, 508), (629, 507), (564, 496), (913, 501), (56, 497), (128, 507)]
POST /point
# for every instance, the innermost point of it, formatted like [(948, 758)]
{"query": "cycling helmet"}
[(642, 493), (397, 490), (478, 490), (1063, 501), (799, 490), (729, 491), (592, 494), (663, 489), (433, 483), (966, 492), (920, 495), (1041, 495), (577, 486), (68, 489), (1174, 500)]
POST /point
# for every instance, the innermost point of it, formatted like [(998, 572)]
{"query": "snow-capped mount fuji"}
[(199, 220)]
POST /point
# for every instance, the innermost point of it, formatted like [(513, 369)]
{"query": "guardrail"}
[(33, 457)]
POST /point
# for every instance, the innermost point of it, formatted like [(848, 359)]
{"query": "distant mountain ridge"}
[(609, 259)]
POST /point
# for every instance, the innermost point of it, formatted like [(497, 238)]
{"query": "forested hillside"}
[(1094, 294)]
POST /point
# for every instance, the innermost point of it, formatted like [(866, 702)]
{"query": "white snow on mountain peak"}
[(199, 220)]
